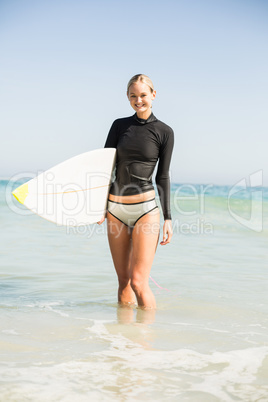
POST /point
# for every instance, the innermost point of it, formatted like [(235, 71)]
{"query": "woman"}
[(132, 213)]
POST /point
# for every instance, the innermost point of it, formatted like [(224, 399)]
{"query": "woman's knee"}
[(123, 282), (138, 283)]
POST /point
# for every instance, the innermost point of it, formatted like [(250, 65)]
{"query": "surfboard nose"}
[(21, 192)]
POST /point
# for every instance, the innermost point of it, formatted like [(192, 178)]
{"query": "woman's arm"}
[(111, 142), (163, 183), (112, 137)]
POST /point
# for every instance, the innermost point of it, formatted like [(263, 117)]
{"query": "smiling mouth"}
[(139, 106)]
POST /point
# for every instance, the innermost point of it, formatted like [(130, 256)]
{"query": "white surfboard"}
[(74, 192)]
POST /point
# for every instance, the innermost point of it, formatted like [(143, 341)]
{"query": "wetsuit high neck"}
[(144, 121)]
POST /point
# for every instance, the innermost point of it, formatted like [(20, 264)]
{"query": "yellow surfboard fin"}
[(21, 193)]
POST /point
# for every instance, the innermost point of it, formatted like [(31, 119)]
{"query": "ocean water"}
[(64, 338)]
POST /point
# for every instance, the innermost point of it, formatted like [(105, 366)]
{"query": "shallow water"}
[(64, 338)]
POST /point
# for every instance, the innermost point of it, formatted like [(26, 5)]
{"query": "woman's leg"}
[(119, 236), (145, 237)]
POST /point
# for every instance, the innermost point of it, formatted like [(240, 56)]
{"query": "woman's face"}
[(140, 98)]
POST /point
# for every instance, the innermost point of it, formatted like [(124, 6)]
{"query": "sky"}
[(65, 64)]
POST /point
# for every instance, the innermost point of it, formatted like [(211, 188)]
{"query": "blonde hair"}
[(142, 78)]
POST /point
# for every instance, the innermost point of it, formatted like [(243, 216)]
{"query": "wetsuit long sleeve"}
[(112, 138), (162, 177)]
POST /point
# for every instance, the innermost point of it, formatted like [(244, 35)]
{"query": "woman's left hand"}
[(167, 232)]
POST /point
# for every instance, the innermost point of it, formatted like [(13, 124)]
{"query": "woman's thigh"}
[(145, 237), (119, 236)]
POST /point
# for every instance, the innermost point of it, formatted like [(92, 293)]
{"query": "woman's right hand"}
[(102, 220)]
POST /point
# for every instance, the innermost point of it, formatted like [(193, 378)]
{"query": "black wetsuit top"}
[(140, 143)]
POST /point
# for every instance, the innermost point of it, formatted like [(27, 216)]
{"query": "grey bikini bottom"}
[(129, 214)]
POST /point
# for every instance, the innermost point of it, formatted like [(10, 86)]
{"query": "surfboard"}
[(74, 192)]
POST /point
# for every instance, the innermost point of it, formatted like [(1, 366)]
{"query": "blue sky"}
[(64, 67)]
